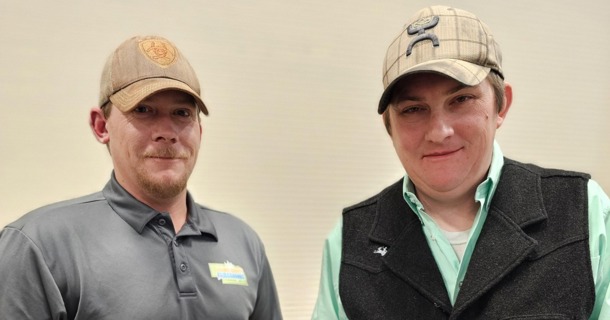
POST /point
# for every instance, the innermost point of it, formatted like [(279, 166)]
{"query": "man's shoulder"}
[(58, 212), (390, 191)]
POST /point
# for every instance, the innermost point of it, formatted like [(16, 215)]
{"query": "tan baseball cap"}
[(445, 40), (143, 65)]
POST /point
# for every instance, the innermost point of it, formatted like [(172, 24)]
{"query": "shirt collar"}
[(484, 192), (138, 214)]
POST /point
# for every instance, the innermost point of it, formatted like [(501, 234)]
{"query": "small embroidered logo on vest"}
[(381, 250)]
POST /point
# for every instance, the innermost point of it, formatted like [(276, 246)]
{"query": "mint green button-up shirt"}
[(328, 305)]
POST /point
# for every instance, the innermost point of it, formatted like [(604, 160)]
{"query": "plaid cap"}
[(445, 40), (142, 66)]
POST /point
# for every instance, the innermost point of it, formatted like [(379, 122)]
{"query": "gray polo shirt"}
[(109, 256)]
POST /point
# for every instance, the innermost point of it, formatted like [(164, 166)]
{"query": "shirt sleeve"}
[(599, 244), (267, 303), (328, 305), (28, 290)]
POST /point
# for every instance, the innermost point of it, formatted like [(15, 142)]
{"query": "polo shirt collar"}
[(138, 214), (198, 218)]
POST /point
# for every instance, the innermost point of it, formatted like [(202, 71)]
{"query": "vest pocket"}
[(546, 249)]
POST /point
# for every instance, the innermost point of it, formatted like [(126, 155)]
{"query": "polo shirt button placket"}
[(186, 285)]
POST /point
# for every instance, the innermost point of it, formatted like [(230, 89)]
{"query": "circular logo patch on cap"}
[(159, 51)]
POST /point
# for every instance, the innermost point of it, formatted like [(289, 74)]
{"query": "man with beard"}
[(141, 248), (466, 233)]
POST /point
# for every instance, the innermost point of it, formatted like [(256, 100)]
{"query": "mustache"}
[(166, 153)]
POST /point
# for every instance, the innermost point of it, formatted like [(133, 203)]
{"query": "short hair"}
[(106, 108)]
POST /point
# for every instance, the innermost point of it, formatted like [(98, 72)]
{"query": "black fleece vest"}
[(531, 260)]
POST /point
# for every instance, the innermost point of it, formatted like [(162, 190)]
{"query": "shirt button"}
[(183, 267), (162, 222), (176, 243)]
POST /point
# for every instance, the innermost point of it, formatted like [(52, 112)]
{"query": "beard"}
[(163, 187)]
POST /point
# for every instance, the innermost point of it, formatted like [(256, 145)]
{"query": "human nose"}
[(440, 127), (165, 130)]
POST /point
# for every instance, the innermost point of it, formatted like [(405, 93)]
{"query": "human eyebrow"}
[(457, 88), (401, 97), (187, 101)]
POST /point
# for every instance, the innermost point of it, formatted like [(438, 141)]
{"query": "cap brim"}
[(465, 72), (128, 98)]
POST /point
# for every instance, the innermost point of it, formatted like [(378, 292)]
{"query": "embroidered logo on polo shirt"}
[(228, 273)]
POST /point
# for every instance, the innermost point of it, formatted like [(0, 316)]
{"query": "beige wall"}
[(292, 88)]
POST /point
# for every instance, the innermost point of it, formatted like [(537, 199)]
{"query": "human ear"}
[(97, 122), (508, 100)]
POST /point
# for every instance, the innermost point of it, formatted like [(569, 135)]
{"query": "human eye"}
[(463, 98), (141, 111), (411, 113), (183, 113), (411, 110)]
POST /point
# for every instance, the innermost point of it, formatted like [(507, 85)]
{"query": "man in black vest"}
[(467, 234)]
